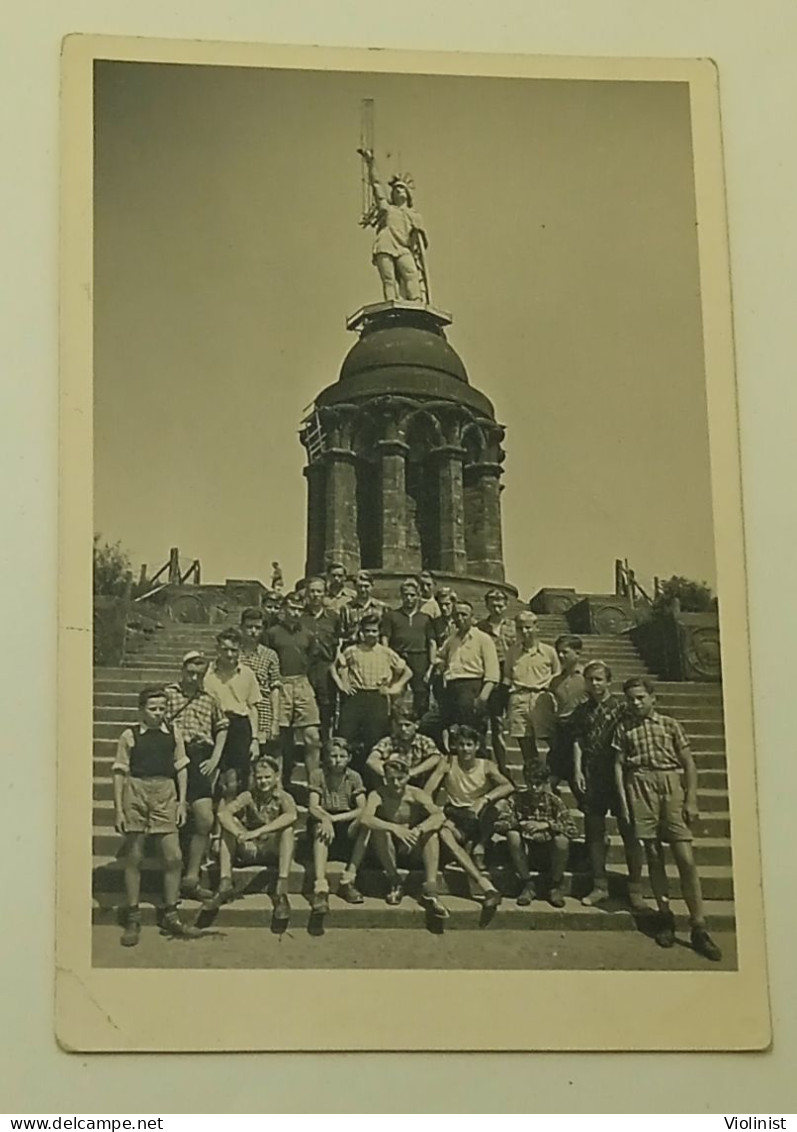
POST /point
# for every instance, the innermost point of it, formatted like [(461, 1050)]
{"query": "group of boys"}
[(402, 700)]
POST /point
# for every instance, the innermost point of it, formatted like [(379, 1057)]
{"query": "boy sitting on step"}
[(257, 829), (652, 753), (404, 823), (337, 801), (421, 752), (147, 803), (537, 815), (469, 786)]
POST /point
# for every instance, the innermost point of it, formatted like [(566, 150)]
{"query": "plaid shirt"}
[(352, 614), (593, 726), (543, 805), (198, 718), (340, 799), (654, 743), (265, 664), (420, 749), (371, 669)]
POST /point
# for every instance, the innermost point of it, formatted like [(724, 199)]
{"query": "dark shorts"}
[(342, 843), (199, 785), (468, 827), (560, 756), (498, 701), (458, 704), (236, 758), (600, 798), (264, 851)]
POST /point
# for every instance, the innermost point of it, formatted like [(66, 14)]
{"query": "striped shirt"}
[(265, 664), (340, 798), (654, 743), (197, 717), (373, 668)]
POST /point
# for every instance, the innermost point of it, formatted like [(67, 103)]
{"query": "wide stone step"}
[(255, 911), (716, 880), (106, 842)]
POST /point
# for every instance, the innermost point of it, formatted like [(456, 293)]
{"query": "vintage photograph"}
[(410, 631)]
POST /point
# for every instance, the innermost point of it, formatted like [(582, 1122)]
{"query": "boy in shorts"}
[(300, 720), (404, 823), (420, 751), (469, 788), (651, 756), (337, 800), (257, 829), (148, 804), (537, 815), (594, 724), (529, 667)]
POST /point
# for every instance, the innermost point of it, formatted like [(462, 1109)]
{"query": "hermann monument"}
[(404, 455)]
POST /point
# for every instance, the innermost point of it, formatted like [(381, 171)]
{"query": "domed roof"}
[(403, 347), (404, 352)]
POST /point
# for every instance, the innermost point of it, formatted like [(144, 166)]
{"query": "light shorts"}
[(298, 706), (530, 714), (261, 852), (656, 801), (150, 805)]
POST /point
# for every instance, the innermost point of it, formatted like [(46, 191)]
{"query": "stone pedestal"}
[(404, 456)]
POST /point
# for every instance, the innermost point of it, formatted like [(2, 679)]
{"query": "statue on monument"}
[(401, 241)]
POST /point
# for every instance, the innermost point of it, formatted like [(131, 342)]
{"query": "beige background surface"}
[(753, 55)]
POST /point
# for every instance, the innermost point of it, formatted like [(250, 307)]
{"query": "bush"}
[(112, 571), (694, 597)]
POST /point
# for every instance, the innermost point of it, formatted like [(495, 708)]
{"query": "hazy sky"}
[(562, 225)]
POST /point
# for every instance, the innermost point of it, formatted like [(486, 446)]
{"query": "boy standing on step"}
[(147, 803), (236, 690), (594, 725), (265, 664), (257, 829), (198, 718), (568, 689), (652, 753), (529, 668)]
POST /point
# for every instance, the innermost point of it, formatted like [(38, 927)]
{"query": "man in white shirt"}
[(469, 664), (235, 688)]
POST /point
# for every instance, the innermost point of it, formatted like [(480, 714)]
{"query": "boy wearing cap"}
[(196, 716)]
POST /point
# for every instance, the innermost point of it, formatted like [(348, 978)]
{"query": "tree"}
[(112, 569), (694, 597)]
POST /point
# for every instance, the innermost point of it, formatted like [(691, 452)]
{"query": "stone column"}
[(483, 521), (316, 523), (451, 516), (393, 503), (340, 509)]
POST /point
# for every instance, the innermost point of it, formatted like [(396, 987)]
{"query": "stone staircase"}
[(697, 706)]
